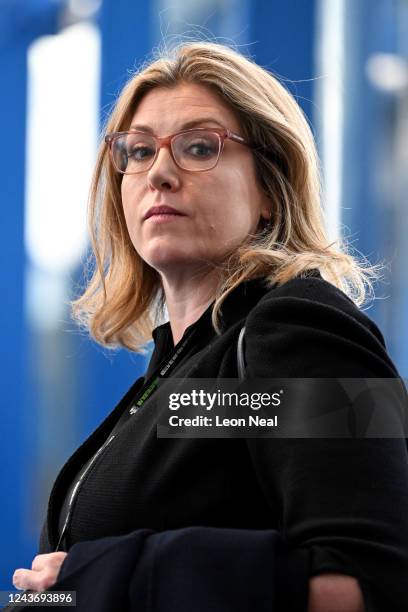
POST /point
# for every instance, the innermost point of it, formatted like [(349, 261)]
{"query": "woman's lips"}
[(162, 213), (164, 217)]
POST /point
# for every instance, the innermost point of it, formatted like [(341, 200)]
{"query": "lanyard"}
[(163, 370)]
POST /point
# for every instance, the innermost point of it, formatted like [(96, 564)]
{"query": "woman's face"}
[(219, 207)]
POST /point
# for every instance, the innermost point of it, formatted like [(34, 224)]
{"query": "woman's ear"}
[(266, 204), (266, 214), (265, 218)]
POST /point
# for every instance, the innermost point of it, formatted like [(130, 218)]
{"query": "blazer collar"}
[(235, 306)]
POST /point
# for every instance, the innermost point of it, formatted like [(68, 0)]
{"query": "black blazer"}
[(341, 505)]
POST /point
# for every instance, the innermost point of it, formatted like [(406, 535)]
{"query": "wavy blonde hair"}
[(123, 299)]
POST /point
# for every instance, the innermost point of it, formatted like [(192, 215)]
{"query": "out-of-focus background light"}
[(84, 9), (388, 72), (61, 144), (329, 113)]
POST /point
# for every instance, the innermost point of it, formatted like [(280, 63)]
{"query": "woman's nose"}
[(164, 174)]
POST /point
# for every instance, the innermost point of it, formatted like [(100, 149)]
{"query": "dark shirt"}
[(341, 502)]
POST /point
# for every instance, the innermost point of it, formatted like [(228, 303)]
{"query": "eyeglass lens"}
[(193, 150)]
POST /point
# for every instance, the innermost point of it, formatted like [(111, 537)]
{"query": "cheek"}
[(129, 200), (248, 201), (228, 223), (235, 208)]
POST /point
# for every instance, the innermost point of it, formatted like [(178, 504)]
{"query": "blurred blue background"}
[(62, 63)]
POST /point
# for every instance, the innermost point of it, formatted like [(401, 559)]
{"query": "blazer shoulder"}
[(313, 288), (311, 316), (317, 295)]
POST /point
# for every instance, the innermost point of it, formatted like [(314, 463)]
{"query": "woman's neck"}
[(188, 298)]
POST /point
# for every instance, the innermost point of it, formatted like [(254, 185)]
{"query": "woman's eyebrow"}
[(184, 126)]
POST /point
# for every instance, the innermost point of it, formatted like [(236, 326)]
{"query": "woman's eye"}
[(200, 149), (140, 153)]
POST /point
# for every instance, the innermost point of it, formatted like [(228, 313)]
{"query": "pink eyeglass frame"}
[(166, 141)]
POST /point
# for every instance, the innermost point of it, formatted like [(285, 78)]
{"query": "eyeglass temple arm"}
[(233, 136)]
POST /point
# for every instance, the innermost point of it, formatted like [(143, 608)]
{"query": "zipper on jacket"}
[(77, 488), (162, 371)]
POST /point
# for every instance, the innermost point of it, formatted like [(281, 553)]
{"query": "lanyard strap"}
[(163, 370)]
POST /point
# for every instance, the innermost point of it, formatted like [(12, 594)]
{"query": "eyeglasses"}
[(196, 150)]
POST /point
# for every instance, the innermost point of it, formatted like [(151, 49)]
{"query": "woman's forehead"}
[(174, 108)]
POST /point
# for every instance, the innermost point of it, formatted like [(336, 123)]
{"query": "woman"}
[(206, 200)]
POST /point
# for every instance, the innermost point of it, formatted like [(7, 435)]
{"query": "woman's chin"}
[(168, 260)]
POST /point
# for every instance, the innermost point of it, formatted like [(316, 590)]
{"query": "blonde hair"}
[(123, 299)]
